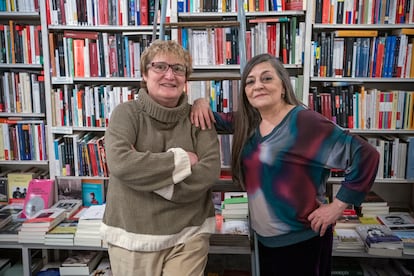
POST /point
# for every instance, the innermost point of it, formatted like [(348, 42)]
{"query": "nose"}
[(169, 73), (257, 85)]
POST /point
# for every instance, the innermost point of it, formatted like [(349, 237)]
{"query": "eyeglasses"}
[(162, 67)]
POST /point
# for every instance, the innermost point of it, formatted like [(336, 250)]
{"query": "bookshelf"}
[(22, 88), (368, 74)]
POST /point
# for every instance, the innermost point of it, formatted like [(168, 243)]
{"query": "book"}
[(71, 206), (373, 199), (5, 218), (17, 184), (103, 268), (356, 33), (14, 209), (45, 219), (40, 195), (410, 159), (379, 236), (347, 240), (80, 263), (9, 232), (65, 229), (235, 203), (69, 188), (93, 192), (397, 220)]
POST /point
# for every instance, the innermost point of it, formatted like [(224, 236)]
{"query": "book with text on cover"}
[(40, 195)]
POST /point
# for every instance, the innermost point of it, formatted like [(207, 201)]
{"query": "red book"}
[(78, 57), (40, 195), (80, 34), (143, 5), (93, 59), (325, 11)]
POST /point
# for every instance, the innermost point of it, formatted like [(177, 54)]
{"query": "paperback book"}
[(397, 221), (40, 195)]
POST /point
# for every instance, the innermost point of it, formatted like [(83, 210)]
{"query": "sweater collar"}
[(162, 113)]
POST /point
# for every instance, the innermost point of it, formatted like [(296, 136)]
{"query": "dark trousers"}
[(308, 258)]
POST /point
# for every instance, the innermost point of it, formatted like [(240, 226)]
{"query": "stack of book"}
[(62, 234), (33, 230), (347, 240), (10, 231), (380, 240), (87, 232), (235, 206), (374, 205), (402, 225), (5, 218), (348, 220), (80, 263)]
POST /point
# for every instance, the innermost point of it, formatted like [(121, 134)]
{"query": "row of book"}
[(198, 6), (87, 106), (15, 189), (21, 43), (22, 92), (364, 12), (96, 54), (80, 154), (102, 12), (396, 157), (19, 5), (357, 107), (282, 37), (363, 53), (22, 140)]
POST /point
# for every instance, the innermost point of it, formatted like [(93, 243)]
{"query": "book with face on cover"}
[(398, 221)]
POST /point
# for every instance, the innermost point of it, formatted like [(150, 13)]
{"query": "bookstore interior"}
[(65, 65)]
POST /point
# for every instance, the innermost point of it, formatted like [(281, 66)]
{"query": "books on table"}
[(380, 240), (397, 221), (347, 240), (71, 206), (10, 231), (80, 263), (90, 220), (62, 234), (33, 230)]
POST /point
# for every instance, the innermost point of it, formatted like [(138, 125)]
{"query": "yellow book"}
[(369, 220), (356, 33), (17, 184), (406, 31)]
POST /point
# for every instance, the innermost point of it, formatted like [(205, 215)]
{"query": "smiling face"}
[(165, 88), (264, 89)]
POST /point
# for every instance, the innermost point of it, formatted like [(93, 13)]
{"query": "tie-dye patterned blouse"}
[(285, 172)]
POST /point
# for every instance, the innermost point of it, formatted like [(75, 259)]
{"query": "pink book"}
[(40, 195)]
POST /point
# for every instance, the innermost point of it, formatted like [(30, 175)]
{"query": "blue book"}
[(93, 192), (410, 159)]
